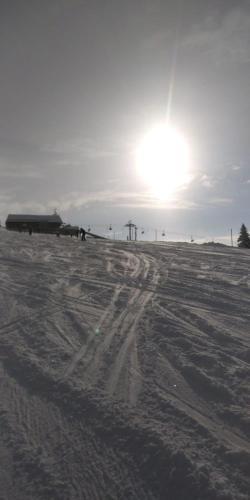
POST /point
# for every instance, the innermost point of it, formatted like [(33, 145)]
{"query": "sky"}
[(83, 81)]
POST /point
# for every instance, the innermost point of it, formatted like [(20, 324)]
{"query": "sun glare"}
[(163, 161)]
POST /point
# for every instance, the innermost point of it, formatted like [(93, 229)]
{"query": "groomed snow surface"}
[(124, 370)]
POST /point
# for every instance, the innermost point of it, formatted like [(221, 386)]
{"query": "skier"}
[(83, 234)]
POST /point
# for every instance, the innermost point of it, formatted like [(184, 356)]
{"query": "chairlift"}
[(142, 231), (110, 227), (163, 233)]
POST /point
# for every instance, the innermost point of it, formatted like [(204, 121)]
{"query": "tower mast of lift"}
[(130, 226)]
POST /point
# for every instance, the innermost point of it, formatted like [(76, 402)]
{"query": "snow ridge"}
[(124, 370)]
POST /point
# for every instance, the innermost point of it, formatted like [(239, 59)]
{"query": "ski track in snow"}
[(124, 370)]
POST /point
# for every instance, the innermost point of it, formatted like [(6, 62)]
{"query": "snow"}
[(124, 370)]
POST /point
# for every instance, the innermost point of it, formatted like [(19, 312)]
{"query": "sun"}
[(163, 161)]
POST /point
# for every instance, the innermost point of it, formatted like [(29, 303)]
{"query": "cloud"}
[(220, 201), (80, 199), (4, 198), (20, 172), (159, 205), (18, 169), (228, 42), (207, 181), (85, 148), (118, 199)]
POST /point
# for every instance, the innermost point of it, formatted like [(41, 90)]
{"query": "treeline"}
[(244, 237)]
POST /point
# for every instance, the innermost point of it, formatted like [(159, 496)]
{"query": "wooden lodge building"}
[(34, 223)]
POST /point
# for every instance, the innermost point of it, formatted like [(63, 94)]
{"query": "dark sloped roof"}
[(34, 218)]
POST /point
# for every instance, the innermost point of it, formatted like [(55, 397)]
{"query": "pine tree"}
[(244, 238)]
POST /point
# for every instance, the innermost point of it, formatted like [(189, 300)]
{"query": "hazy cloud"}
[(227, 42), (207, 181), (86, 148), (220, 201)]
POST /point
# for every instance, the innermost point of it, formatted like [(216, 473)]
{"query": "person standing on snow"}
[(83, 234)]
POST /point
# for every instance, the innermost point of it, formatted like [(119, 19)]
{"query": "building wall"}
[(37, 227)]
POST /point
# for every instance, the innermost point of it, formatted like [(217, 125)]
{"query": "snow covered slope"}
[(124, 370)]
